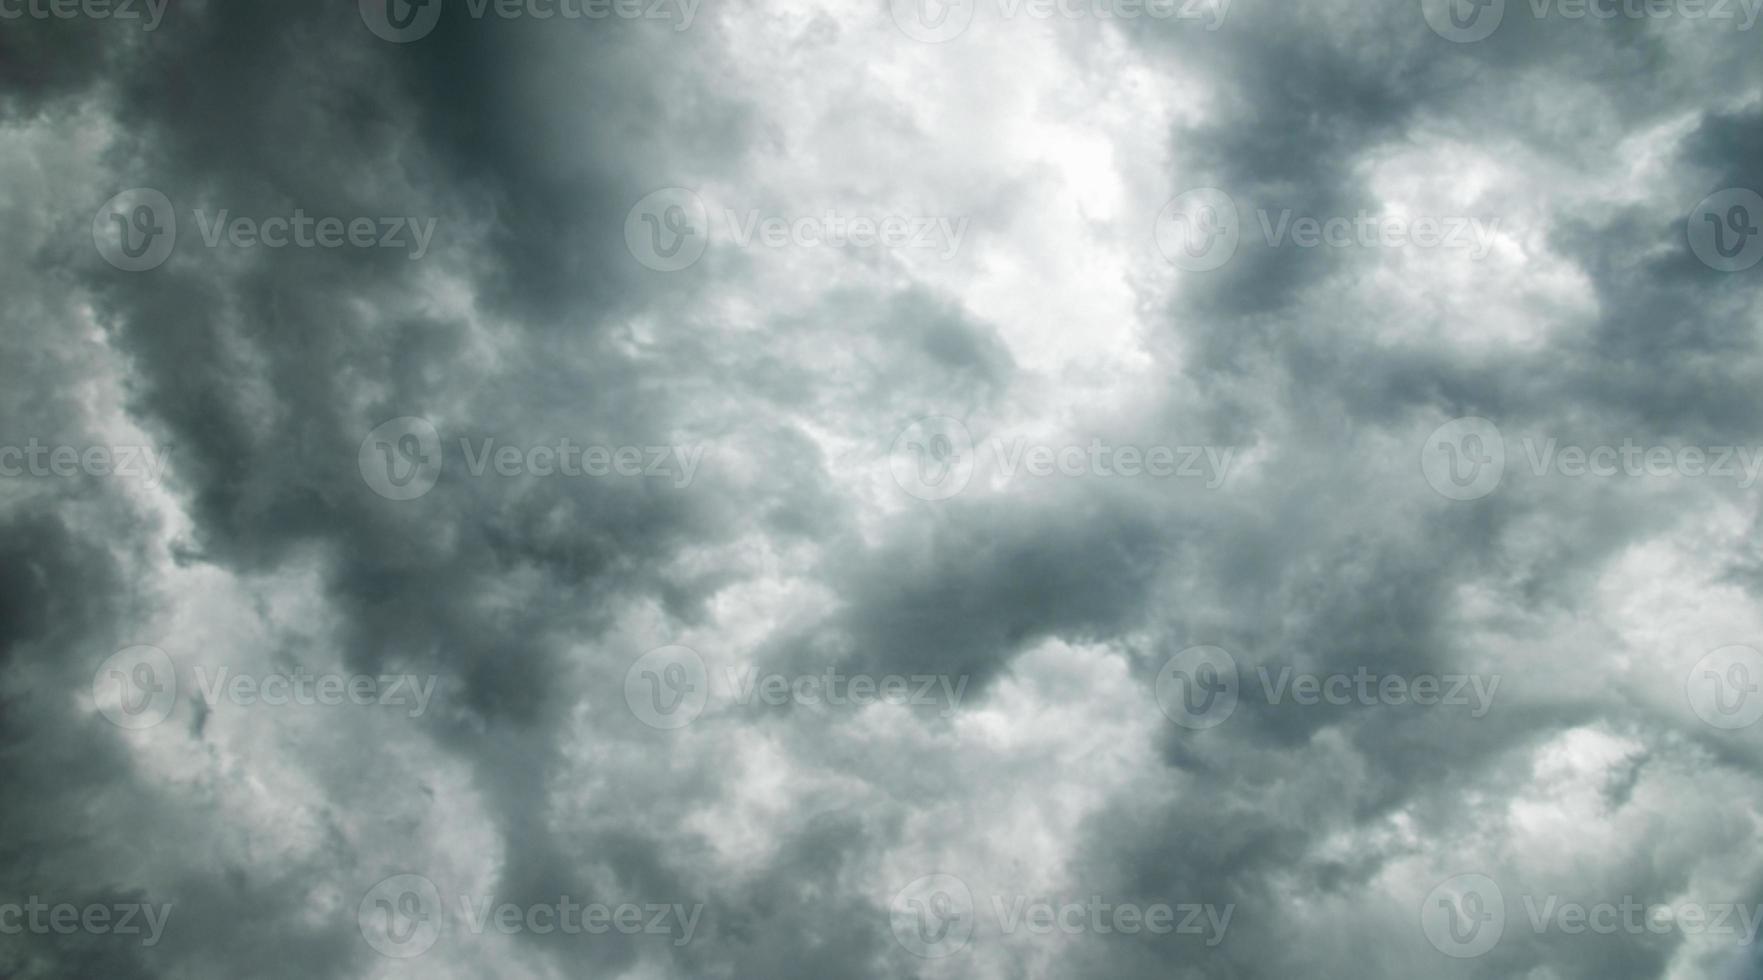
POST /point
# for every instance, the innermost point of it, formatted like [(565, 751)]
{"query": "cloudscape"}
[(998, 489)]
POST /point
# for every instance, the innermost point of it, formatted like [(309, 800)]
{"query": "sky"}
[(999, 489)]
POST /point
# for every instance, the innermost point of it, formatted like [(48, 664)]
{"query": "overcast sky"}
[(997, 489)]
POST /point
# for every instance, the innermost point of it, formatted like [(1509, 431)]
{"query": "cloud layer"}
[(850, 489)]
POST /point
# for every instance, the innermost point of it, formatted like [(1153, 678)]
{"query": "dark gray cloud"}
[(793, 515)]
